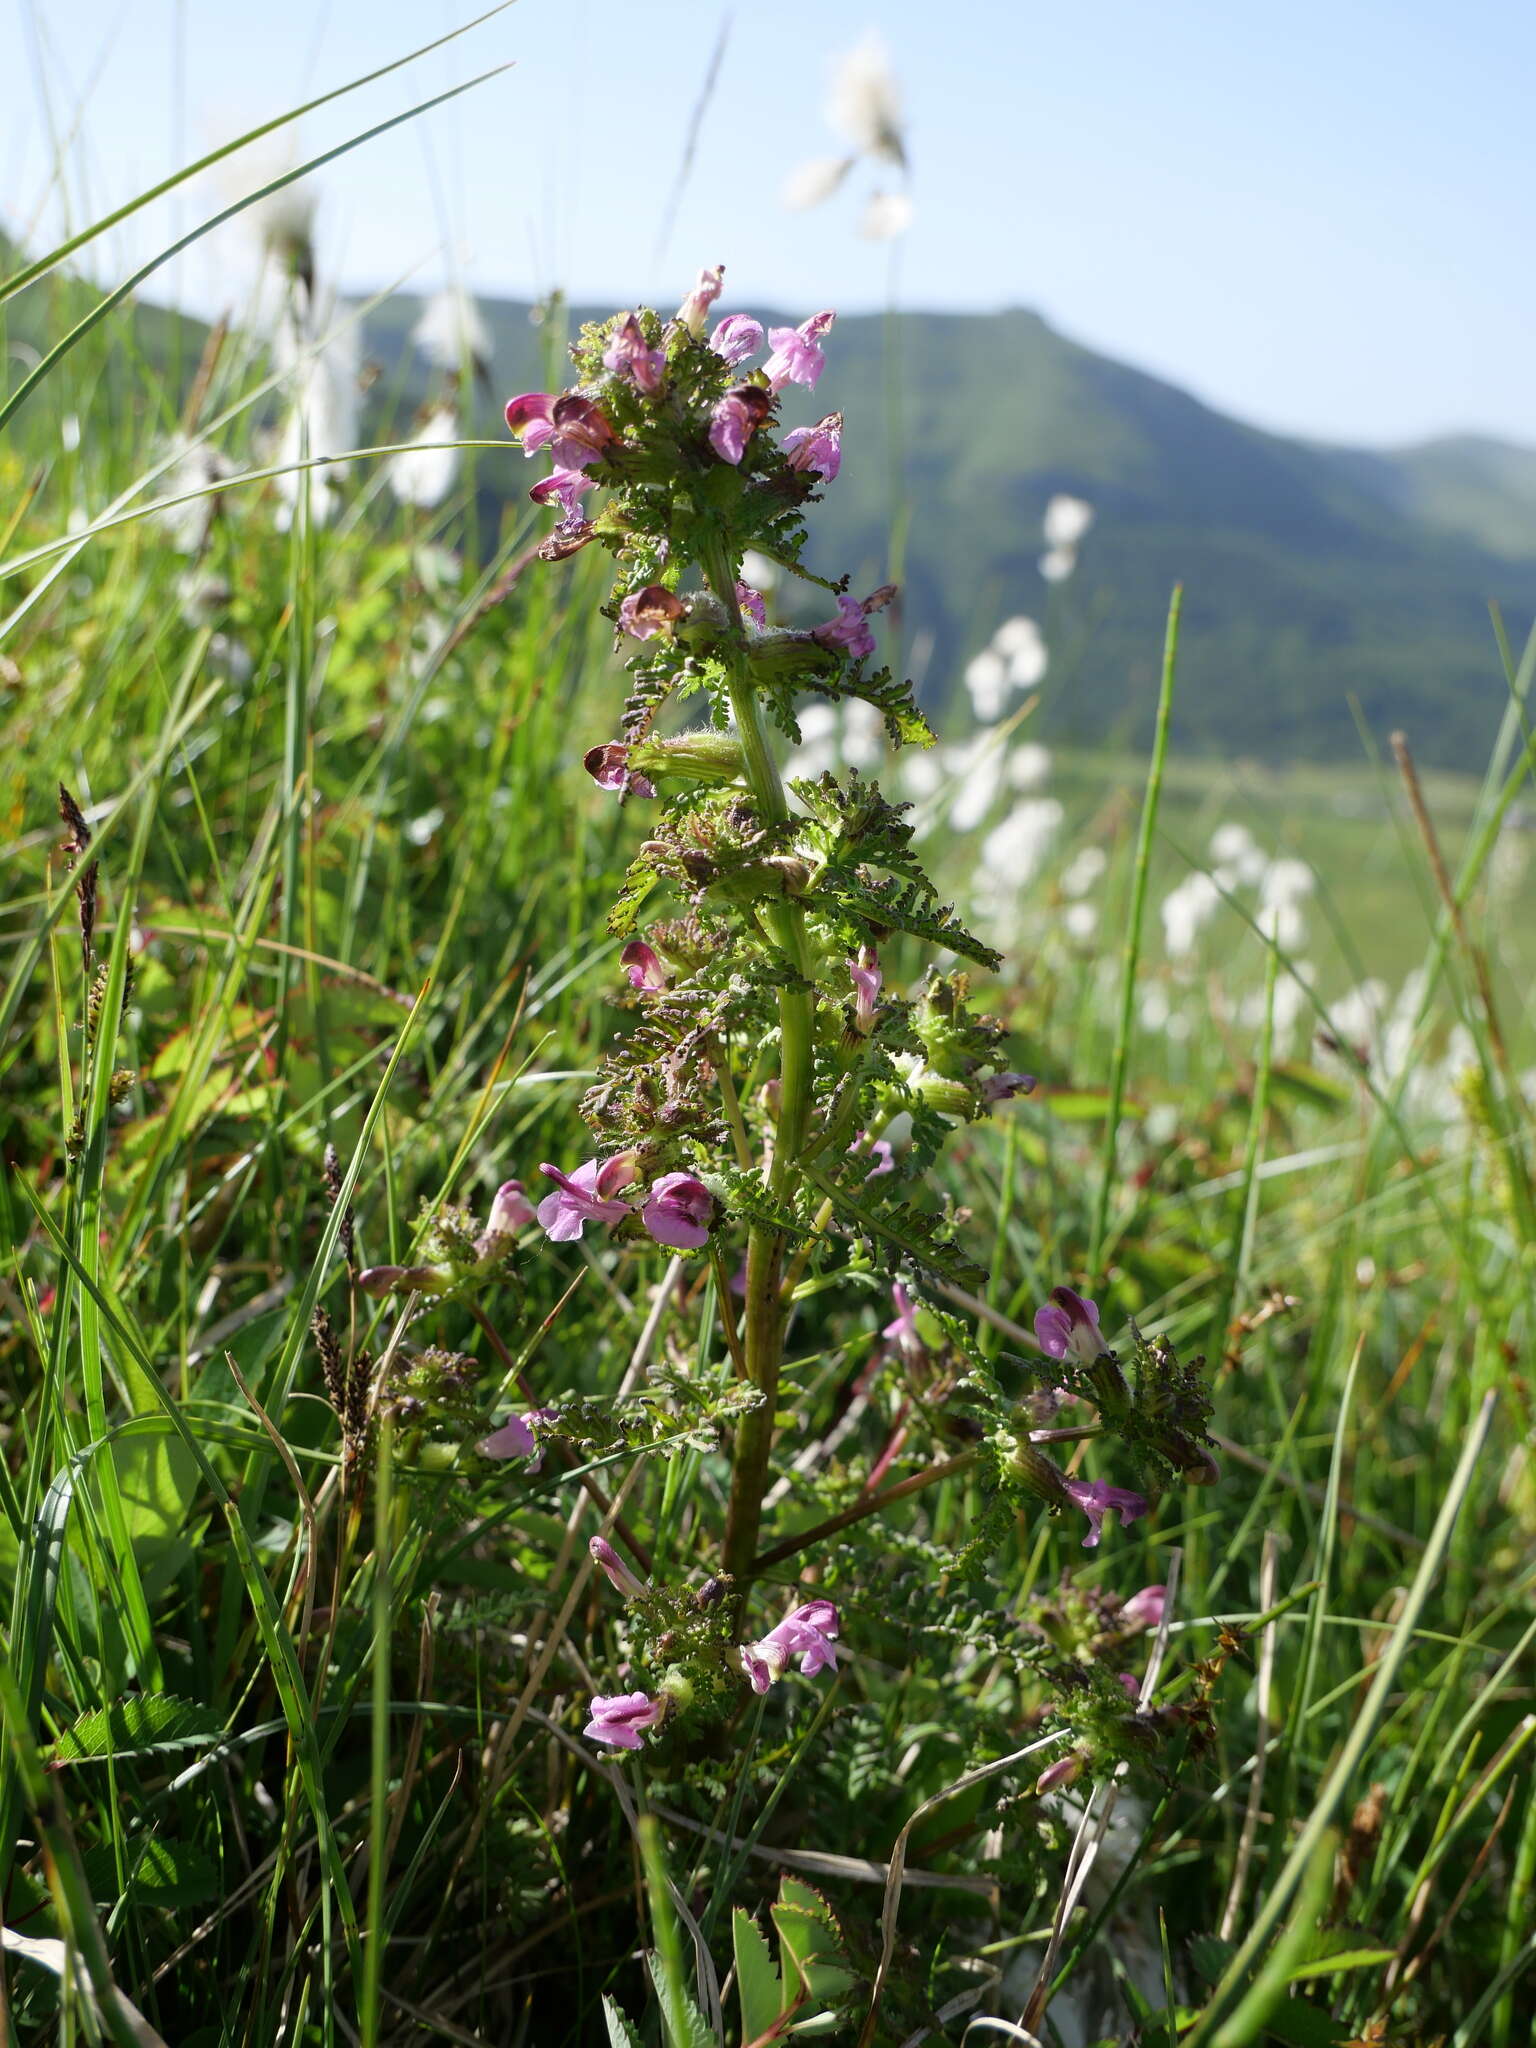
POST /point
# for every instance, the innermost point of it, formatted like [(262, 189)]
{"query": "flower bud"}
[(1039, 1476), (677, 1687), (615, 1570), (381, 1281)]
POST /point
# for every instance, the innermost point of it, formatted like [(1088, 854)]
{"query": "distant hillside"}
[(1312, 574)]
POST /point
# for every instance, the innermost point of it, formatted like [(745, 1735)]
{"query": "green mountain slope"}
[(1312, 574)]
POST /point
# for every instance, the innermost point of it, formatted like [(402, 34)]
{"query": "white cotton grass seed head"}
[(1057, 564), (758, 571), (975, 773), (986, 678), (424, 473), (814, 182), (1066, 520), (1029, 767), (864, 102), (1085, 868), (1186, 910), (886, 215), (1011, 854), (451, 332), (1081, 921)]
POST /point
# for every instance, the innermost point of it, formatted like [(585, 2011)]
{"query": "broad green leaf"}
[(757, 1981), (621, 2034), (137, 1726)]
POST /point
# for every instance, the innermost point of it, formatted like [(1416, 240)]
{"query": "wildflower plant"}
[(743, 1120)]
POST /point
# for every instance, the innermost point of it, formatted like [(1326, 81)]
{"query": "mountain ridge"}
[(1322, 583)]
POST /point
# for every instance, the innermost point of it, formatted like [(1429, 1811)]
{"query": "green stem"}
[(763, 1333)]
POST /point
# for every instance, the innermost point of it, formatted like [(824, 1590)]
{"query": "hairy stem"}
[(763, 1333)]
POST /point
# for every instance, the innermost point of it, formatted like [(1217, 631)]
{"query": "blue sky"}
[(1315, 216)]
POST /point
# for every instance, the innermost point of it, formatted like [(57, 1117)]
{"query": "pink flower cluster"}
[(807, 1632), (677, 1211)]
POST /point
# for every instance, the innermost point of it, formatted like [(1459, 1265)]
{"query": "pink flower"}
[(614, 1569), (737, 337), (677, 1212), (1096, 1499), (868, 982), (751, 602), (691, 313), (619, 1718), (881, 1153), (849, 630), (819, 448), (609, 768), (735, 419), (1131, 1683), (903, 1332), (630, 355), (576, 432), (564, 487), (797, 357), (1062, 1772), (1002, 1087), (650, 611), (643, 965), (514, 1439), (381, 1281), (510, 1210), (1069, 1327), (1144, 1609), (808, 1632), (586, 1196)]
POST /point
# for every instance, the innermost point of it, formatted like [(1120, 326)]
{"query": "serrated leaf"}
[(621, 2034), (757, 1980), (811, 1948), (683, 2025), (137, 1726), (915, 1235), (159, 1873)]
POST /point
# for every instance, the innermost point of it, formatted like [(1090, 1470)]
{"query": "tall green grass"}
[(292, 1759)]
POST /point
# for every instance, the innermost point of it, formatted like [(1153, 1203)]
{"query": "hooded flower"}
[(867, 982), (614, 1569), (1068, 1327), (752, 606), (510, 1210), (573, 429), (1144, 1609), (609, 768), (849, 630), (903, 1331), (630, 355), (1002, 1087), (514, 1439), (692, 312), (677, 1212), (737, 337), (652, 610), (620, 1718), (586, 1196), (643, 966), (797, 356), (1096, 1499), (819, 448), (562, 487), (808, 1633), (736, 418)]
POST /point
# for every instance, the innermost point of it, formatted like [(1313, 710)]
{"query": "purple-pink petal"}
[(849, 630), (619, 1718), (736, 337), (1096, 1499), (514, 1439), (751, 602), (643, 966), (819, 448), (678, 1212)]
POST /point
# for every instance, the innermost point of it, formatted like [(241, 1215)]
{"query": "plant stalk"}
[(766, 1312)]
